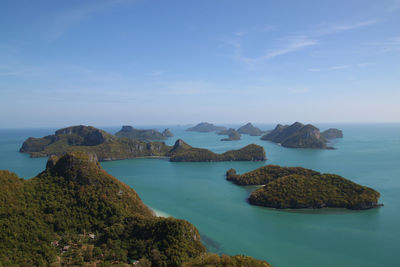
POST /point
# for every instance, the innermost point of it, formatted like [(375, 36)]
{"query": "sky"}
[(156, 62)]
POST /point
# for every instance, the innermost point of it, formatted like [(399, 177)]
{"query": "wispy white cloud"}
[(341, 67), (286, 45), (294, 45), (390, 45), (68, 19), (337, 28)]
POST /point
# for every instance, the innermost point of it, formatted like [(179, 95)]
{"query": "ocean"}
[(369, 154)]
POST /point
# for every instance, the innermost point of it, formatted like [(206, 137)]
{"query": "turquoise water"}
[(199, 193)]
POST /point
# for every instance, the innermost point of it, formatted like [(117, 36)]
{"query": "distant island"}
[(143, 135), (332, 133), (296, 187), (76, 214), (232, 134), (109, 147), (299, 135), (182, 152), (205, 127), (250, 130)]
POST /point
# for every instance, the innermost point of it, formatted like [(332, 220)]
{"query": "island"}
[(250, 130), (332, 133), (205, 127), (167, 133), (232, 134), (183, 152), (109, 147), (76, 214), (297, 187), (143, 135), (297, 135)]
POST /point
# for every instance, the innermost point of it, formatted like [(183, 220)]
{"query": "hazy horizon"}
[(143, 62)]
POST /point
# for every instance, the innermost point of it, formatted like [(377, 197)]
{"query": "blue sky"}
[(176, 62)]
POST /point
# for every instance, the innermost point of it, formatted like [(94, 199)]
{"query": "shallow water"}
[(198, 192)]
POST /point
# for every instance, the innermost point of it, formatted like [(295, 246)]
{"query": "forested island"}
[(182, 152), (75, 214), (143, 134), (232, 134), (296, 187), (205, 127), (250, 130), (109, 147), (299, 135), (332, 133)]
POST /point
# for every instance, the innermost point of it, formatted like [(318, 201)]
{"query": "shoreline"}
[(159, 213)]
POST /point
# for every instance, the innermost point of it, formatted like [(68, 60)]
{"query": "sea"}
[(369, 154)]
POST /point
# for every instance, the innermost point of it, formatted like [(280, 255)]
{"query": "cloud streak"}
[(293, 46), (64, 21), (337, 28)]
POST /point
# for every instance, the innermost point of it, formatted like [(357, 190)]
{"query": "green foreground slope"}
[(75, 213)]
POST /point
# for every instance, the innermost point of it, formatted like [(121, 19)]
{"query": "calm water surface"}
[(198, 192)]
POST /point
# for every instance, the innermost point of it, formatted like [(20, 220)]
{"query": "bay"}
[(368, 154)]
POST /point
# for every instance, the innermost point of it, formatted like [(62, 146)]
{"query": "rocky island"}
[(332, 133), (109, 147), (297, 135), (296, 187), (232, 134), (75, 214), (205, 127), (250, 130), (143, 135)]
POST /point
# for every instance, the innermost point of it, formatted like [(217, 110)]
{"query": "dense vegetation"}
[(296, 187), (205, 127), (109, 147), (90, 139), (224, 261), (74, 213), (167, 133), (297, 135), (143, 135), (332, 133), (250, 129), (232, 134), (266, 174), (247, 153)]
